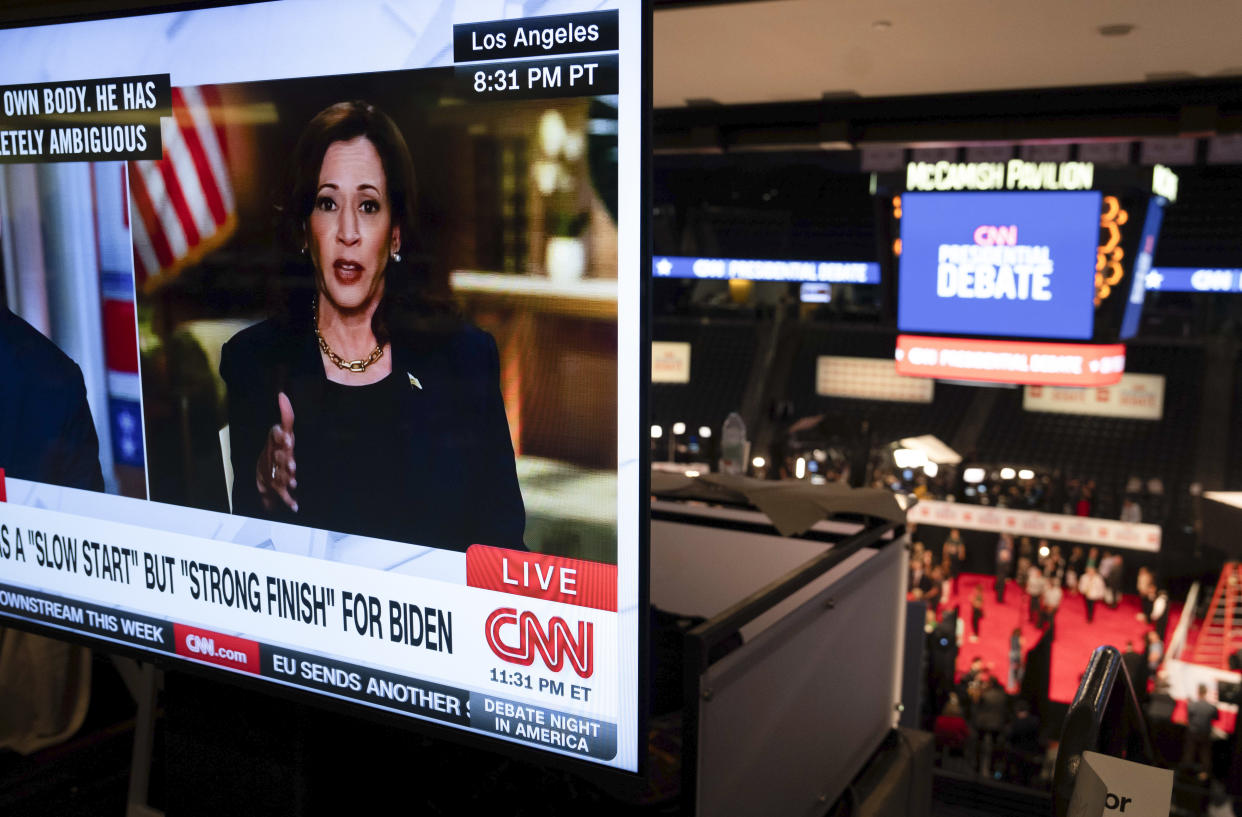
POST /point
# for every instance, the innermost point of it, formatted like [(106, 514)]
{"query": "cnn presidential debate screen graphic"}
[(1009, 264), (321, 363)]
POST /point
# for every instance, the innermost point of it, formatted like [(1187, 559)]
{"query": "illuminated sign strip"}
[(828, 272), (1016, 174), (1193, 279), (1008, 361)]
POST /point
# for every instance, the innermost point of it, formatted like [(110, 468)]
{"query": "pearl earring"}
[(396, 256)]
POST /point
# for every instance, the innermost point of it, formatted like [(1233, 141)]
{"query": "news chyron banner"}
[(191, 463)]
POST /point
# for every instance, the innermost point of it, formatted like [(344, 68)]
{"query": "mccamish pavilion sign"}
[(1015, 174)]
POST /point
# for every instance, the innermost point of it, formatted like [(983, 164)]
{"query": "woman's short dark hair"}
[(412, 289)]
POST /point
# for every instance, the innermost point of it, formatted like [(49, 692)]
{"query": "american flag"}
[(182, 205)]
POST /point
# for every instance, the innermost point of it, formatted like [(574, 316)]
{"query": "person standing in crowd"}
[(1130, 511), (1074, 568), (933, 587), (976, 612), (1004, 564), (1085, 502), (1136, 668), (1159, 617), (1197, 750), (951, 730), (1022, 737), (1015, 658), (954, 555), (1055, 498), (1155, 652), (915, 573), (1025, 549), (1091, 585), (1147, 593), (1054, 563), (1115, 581), (1093, 558), (1035, 583), (1051, 603), (1104, 568), (991, 710)]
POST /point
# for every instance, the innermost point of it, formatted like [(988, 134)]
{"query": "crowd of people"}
[(985, 720), (1140, 500)]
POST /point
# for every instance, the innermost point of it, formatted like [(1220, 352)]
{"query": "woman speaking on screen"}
[(366, 408)]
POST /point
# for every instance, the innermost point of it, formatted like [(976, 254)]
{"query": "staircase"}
[(1221, 634)]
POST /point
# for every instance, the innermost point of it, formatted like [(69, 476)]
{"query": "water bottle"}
[(733, 445)]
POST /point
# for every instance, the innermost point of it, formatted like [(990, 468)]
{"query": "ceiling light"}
[(1115, 29)]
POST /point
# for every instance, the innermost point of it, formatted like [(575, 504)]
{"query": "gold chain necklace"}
[(357, 366)]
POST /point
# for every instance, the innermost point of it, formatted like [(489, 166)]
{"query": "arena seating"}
[(888, 420), (1107, 449), (722, 352)]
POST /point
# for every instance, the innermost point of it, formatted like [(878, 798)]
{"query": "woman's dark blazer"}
[(452, 436)]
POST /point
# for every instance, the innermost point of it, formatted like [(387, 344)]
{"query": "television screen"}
[(999, 264), (322, 343)]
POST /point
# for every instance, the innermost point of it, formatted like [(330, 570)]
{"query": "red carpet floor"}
[(1075, 638)]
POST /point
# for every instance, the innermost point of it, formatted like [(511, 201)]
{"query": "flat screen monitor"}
[(999, 264), (321, 354)]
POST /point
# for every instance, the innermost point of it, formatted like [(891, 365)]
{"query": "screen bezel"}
[(62, 13)]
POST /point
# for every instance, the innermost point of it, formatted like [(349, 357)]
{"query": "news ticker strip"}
[(90, 120), (516, 720)]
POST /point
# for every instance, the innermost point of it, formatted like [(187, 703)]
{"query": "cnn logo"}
[(516, 637)]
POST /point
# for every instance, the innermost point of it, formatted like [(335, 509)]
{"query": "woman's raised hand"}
[(276, 472)]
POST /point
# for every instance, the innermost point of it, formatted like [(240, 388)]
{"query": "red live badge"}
[(540, 576)]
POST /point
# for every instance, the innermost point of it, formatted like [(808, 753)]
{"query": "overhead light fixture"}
[(705, 432), (1115, 29), (974, 475), (1026, 473), (931, 469), (679, 428), (909, 458), (1008, 473), (656, 432), (692, 473), (758, 462), (800, 468)]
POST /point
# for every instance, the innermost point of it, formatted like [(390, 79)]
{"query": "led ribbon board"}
[(1007, 361), (1193, 279), (828, 272), (1008, 264)]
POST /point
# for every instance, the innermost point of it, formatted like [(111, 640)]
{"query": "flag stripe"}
[(209, 183), (146, 218), (146, 264), (212, 139), (175, 195), (181, 205), (166, 220), (185, 173)]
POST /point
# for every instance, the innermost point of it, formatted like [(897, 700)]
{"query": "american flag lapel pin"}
[(414, 381)]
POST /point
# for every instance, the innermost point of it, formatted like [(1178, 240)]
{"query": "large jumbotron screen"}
[(321, 353)]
